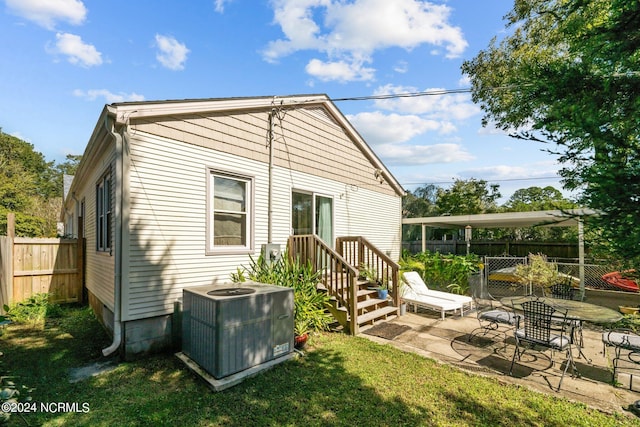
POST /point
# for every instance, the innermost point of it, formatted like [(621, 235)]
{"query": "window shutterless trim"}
[(104, 209), (210, 247)]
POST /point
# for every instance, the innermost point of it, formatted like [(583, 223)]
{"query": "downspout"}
[(117, 282)]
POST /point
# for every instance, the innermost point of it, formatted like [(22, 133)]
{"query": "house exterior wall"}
[(166, 166), (306, 140), (99, 266), (167, 226)]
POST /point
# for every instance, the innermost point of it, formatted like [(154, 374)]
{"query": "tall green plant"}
[(538, 273), (309, 303), (443, 271), (32, 310)]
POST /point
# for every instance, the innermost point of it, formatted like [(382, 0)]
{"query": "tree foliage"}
[(472, 196), (537, 199), (477, 196), (31, 187), (569, 74)]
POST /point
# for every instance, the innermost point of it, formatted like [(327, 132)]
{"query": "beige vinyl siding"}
[(357, 211), (168, 218), (305, 140), (168, 191), (99, 266), (169, 159)]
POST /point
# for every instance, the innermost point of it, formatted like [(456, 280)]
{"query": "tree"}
[(419, 203), (69, 166), (537, 199), (568, 75), (471, 196), (31, 187)]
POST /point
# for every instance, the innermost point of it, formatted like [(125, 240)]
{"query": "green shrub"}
[(33, 310), (309, 304), (629, 321), (443, 271)]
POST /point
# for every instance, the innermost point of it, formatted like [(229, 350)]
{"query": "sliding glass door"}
[(312, 214)]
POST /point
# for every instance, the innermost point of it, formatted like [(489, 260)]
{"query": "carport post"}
[(467, 237), (581, 255)]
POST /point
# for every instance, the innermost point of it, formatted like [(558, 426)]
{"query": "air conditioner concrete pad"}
[(219, 384)]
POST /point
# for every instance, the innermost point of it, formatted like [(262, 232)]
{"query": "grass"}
[(342, 380)]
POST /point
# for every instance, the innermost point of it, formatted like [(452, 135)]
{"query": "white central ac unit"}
[(229, 328)]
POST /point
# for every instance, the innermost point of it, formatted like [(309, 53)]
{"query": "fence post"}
[(6, 262)]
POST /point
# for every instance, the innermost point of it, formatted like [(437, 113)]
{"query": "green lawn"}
[(342, 380)]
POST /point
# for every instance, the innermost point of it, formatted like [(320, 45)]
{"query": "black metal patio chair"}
[(567, 292), (627, 341), (562, 291), (492, 317), (535, 328)]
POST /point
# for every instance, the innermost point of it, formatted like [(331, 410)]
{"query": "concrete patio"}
[(448, 341)]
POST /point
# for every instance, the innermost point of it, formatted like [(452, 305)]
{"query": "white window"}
[(229, 220), (103, 213)]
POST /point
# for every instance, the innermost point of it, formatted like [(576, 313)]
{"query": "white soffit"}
[(551, 218)]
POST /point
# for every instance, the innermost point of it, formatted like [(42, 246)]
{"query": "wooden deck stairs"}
[(354, 301), (370, 309)]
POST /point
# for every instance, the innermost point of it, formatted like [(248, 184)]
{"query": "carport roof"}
[(550, 218)]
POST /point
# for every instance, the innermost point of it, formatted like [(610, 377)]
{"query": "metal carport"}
[(549, 218)]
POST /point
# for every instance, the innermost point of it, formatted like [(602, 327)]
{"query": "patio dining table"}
[(576, 310)]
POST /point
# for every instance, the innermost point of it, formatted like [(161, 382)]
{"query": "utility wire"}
[(488, 180), (435, 92)]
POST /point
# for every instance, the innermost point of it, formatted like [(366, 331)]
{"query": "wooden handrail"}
[(358, 251), (338, 276)]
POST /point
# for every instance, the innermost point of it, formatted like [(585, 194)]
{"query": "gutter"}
[(117, 282)]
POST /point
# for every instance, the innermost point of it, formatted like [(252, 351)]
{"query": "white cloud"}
[(464, 81), (109, 97), (538, 170), (456, 106), (351, 31), (47, 13), (219, 5), (341, 71), (19, 135), (77, 51), (379, 128), (401, 67), (491, 128), (411, 155), (172, 54)]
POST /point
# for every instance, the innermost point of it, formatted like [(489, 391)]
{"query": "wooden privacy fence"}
[(35, 265)]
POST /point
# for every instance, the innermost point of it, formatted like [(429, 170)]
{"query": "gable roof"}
[(125, 111)]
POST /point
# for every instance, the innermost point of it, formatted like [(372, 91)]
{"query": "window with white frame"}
[(229, 212), (103, 213)]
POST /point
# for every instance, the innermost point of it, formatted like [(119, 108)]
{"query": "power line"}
[(488, 180), (404, 95)]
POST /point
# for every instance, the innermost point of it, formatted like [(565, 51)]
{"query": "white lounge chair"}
[(414, 281), (410, 297)]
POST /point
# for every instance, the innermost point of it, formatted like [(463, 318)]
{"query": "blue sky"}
[(63, 60)]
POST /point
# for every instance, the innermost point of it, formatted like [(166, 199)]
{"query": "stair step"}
[(362, 294), (369, 302), (377, 314)]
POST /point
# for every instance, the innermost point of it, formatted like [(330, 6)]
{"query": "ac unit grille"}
[(225, 335)]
